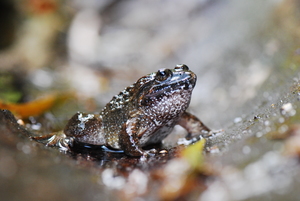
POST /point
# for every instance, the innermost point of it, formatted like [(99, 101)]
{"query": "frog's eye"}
[(182, 67), (163, 74)]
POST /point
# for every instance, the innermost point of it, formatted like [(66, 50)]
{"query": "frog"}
[(140, 116)]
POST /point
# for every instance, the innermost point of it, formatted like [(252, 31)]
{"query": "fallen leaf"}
[(35, 107)]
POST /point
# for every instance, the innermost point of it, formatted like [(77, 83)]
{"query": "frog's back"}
[(115, 114)]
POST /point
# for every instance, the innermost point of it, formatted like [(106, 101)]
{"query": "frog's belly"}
[(157, 136)]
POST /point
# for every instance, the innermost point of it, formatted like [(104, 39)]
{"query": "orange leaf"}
[(35, 107)]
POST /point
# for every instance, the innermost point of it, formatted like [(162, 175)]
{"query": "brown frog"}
[(141, 115)]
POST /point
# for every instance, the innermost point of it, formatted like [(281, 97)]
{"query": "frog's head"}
[(170, 87)]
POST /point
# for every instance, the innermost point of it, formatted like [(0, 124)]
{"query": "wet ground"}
[(246, 56)]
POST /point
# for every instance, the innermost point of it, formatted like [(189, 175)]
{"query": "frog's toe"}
[(58, 139), (214, 133), (149, 153), (45, 139), (189, 141), (152, 151)]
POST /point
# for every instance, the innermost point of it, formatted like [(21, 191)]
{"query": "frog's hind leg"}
[(85, 128), (193, 125), (57, 139)]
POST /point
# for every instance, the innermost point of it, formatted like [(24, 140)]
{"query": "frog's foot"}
[(214, 133), (150, 152), (189, 139), (146, 154), (57, 139)]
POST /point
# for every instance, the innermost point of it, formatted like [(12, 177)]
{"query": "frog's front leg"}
[(193, 125), (129, 138)]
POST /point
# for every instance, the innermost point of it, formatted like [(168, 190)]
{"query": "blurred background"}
[(245, 54), (97, 48)]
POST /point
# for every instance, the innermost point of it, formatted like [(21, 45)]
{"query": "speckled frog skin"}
[(142, 114)]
